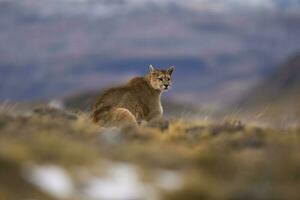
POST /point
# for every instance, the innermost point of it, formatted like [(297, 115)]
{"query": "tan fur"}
[(122, 116), (137, 101)]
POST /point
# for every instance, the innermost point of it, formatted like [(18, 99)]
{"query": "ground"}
[(49, 153)]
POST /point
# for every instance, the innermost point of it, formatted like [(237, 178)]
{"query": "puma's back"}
[(134, 102)]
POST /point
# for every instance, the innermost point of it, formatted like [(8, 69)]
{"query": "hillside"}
[(58, 155), (279, 94)]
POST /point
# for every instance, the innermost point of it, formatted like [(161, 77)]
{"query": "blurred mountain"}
[(220, 49), (279, 94), (112, 7)]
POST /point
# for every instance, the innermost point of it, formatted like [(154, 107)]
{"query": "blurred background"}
[(221, 48), (234, 59)]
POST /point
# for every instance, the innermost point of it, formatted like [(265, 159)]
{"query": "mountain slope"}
[(106, 8), (51, 48), (280, 93)]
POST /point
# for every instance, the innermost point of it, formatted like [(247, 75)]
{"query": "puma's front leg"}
[(154, 116), (157, 121)]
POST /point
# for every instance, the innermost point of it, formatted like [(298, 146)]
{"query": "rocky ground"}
[(48, 153)]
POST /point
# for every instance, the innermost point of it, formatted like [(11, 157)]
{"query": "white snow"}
[(121, 183), (57, 104), (51, 179), (169, 180)]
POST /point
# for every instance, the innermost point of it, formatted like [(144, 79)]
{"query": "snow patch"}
[(169, 180), (51, 179), (121, 183)]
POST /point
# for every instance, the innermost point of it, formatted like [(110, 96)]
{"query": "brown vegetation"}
[(224, 160)]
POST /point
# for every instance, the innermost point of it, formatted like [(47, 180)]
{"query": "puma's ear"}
[(171, 70), (151, 68)]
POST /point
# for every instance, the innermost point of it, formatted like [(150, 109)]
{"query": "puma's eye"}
[(168, 79), (161, 79)]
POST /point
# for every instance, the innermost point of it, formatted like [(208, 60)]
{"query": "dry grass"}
[(218, 160)]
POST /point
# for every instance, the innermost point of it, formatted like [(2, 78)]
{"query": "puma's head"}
[(160, 79)]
